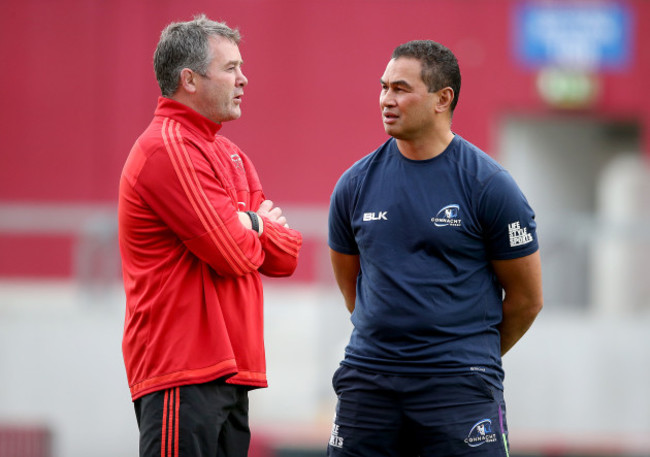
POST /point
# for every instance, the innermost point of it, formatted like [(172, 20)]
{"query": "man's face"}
[(219, 92), (407, 107)]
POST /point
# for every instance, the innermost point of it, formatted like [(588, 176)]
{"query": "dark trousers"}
[(199, 420), (381, 415)]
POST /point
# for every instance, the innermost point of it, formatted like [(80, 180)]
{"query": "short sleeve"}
[(508, 220), (341, 234)]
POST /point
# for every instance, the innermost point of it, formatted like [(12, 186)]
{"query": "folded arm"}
[(180, 187), (280, 243)]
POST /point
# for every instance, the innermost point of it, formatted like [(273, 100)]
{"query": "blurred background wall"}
[(554, 90)]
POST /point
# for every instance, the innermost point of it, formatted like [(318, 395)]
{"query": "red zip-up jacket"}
[(194, 308)]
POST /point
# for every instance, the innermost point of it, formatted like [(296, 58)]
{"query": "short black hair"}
[(439, 65)]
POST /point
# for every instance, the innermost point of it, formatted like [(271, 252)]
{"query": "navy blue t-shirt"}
[(428, 301)]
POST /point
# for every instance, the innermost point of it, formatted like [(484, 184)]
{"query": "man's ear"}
[(188, 80), (445, 97)]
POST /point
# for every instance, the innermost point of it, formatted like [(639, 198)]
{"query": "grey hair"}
[(185, 45)]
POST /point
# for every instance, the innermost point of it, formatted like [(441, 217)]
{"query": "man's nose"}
[(386, 99), (242, 80)]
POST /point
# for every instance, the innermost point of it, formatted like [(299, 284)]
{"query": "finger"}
[(266, 206)]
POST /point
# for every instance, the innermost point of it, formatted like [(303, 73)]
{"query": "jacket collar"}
[(187, 117)]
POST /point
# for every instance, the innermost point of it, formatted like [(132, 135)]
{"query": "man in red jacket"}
[(195, 233)]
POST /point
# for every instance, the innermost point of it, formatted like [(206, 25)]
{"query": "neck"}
[(425, 148), (182, 97)]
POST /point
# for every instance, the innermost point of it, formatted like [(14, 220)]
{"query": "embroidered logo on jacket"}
[(448, 216), (239, 163)]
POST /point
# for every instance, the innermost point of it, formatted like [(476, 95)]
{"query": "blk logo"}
[(380, 216)]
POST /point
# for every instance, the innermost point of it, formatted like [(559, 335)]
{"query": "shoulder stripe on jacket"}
[(210, 219)]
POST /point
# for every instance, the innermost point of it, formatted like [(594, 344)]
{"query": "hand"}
[(274, 214), (245, 220)]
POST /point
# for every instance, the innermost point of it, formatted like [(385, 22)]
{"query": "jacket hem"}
[(179, 378)]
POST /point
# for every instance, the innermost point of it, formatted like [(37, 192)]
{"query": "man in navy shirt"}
[(435, 251)]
